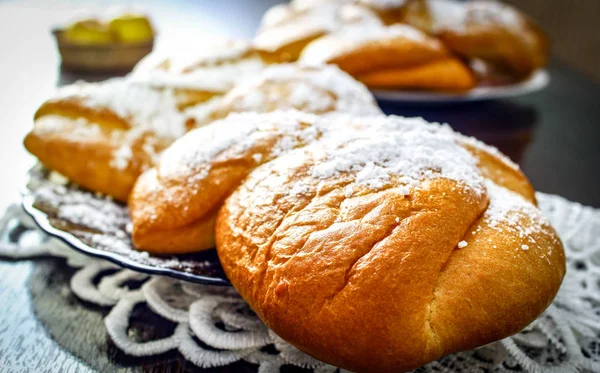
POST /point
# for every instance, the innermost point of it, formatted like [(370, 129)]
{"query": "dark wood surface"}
[(553, 134)]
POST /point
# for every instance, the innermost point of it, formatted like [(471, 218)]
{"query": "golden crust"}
[(84, 153), (398, 56), (101, 136), (174, 204), (383, 269), (443, 75)]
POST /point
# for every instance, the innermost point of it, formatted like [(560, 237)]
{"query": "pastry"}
[(103, 135), (490, 31), (493, 32), (287, 29), (173, 206), (198, 78), (383, 253), (314, 89), (398, 56)]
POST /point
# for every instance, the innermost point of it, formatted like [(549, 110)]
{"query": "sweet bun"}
[(382, 253), (103, 135), (493, 32), (398, 56), (318, 89), (287, 29), (174, 205), (198, 77)]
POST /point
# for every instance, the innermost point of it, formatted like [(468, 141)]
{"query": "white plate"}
[(536, 82)]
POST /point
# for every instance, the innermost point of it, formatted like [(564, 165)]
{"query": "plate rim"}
[(43, 222), (536, 82)]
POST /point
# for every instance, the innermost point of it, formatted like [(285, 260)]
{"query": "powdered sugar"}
[(315, 89), (457, 16), (411, 152), (138, 104), (507, 210), (298, 23), (192, 155), (100, 223)]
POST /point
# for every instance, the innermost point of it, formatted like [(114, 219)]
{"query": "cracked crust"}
[(374, 280)]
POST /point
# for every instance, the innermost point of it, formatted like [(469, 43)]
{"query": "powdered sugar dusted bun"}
[(103, 135), (398, 56), (200, 75), (173, 206), (397, 243), (493, 32), (317, 89), (287, 29)]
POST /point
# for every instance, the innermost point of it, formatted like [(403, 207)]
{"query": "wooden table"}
[(554, 135)]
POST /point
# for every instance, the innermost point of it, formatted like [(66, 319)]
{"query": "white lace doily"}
[(215, 326)]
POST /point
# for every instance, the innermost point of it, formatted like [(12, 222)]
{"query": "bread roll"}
[(173, 206), (397, 56), (103, 135), (383, 253), (313, 89)]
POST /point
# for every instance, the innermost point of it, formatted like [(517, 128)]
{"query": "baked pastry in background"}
[(383, 253), (496, 33), (317, 89), (493, 32), (200, 76), (286, 29), (398, 56), (103, 135)]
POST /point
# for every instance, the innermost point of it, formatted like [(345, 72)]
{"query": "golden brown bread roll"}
[(103, 135), (173, 206), (313, 89), (397, 56), (382, 253), (287, 29)]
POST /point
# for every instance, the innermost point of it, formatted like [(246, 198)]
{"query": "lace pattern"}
[(215, 327)]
